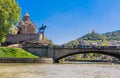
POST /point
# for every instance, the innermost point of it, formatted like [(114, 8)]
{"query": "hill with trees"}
[(115, 35), (94, 38)]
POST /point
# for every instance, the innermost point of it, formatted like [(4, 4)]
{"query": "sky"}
[(68, 20)]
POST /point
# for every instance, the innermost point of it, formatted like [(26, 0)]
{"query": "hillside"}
[(94, 38), (91, 40), (6, 52), (115, 35)]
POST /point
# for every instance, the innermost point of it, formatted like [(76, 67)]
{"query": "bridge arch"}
[(109, 53)]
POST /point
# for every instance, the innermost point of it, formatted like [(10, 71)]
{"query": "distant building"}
[(114, 43), (93, 32)]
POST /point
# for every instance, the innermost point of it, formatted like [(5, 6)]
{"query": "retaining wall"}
[(26, 60)]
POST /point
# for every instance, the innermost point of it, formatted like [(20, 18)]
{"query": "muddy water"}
[(59, 71)]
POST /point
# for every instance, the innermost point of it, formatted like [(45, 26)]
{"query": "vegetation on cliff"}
[(7, 52)]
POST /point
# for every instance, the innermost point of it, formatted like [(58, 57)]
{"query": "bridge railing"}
[(85, 46), (106, 47)]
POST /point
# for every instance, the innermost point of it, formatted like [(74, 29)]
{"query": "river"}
[(16, 70)]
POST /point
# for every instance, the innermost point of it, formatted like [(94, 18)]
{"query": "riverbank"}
[(18, 55), (8, 52), (27, 60)]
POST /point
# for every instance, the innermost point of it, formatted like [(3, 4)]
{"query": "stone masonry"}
[(26, 26), (18, 38)]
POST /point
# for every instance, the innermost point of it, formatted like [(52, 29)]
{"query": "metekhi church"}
[(26, 26), (26, 32)]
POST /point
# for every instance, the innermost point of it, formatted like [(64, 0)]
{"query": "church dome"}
[(27, 14)]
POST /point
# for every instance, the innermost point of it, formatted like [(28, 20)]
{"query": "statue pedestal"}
[(41, 36)]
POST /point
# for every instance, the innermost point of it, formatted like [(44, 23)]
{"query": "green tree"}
[(9, 16)]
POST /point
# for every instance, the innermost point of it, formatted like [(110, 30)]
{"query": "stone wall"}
[(20, 60), (27, 27), (18, 38), (38, 51), (26, 60)]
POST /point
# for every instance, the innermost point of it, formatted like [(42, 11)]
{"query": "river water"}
[(59, 70)]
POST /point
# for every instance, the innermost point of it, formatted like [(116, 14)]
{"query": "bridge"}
[(59, 53)]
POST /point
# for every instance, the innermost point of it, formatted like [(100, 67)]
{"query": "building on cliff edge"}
[(25, 32)]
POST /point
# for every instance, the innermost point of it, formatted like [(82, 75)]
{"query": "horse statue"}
[(42, 28)]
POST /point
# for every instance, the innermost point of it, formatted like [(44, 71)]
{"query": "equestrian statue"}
[(42, 28)]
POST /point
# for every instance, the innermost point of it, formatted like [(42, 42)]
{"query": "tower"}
[(93, 32), (26, 17)]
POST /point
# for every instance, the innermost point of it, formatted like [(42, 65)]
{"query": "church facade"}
[(26, 32), (26, 26)]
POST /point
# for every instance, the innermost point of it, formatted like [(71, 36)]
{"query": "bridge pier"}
[(50, 52), (44, 52), (56, 61), (46, 60)]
